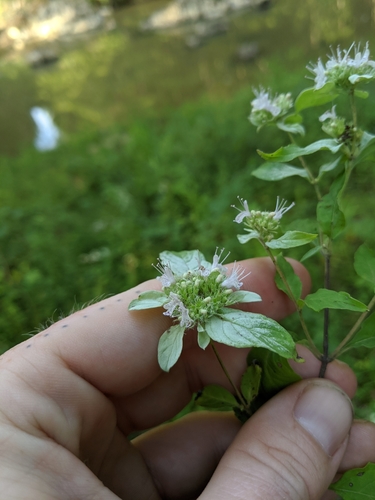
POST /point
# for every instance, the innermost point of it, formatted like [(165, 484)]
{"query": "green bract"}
[(196, 294)]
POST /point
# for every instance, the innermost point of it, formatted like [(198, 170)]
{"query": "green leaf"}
[(354, 79), (330, 299), (356, 484), (292, 128), (244, 329), (329, 215), (292, 239), (365, 337), (216, 398), (242, 297), (170, 347), (276, 371), (244, 238), (295, 284), (203, 338), (362, 94), (311, 252), (364, 263), (181, 262), (310, 97), (366, 148), (250, 382), (271, 171), (148, 300), (328, 167), (292, 151)]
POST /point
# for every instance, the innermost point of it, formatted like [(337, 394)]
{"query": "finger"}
[(361, 446), (291, 448), (182, 456), (337, 371)]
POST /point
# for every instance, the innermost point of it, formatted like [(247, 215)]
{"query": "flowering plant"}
[(198, 294)]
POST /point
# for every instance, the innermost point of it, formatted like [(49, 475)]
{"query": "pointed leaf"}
[(170, 347), (203, 338), (329, 215), (311, 252), (356, 484), (276, 371), (216, 398), (242, 297), (328, 167), (365, 337), (244, 238), (366, 148), (292, 239), (292, 128), (329, 299), (354, 79), (364, 263), (294, 282), (250, 382), (362, 94), (181, 262), (148, 300), (243, 329), (271, 171), (310, 97), (289, 153)]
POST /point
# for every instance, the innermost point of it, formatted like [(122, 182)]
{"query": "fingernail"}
[(326, 413)]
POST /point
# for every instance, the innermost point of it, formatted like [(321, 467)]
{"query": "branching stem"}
[(236, 390)]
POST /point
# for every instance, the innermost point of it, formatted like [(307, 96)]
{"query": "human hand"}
[(70, 395)]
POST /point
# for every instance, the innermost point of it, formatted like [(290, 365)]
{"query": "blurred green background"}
[(156, 147)]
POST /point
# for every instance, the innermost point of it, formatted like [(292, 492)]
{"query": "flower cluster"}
[(333, 125), (344, 69), (199, 293), (266, 108), (265, 224)]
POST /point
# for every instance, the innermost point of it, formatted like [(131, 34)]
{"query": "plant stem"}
[(290, 294), (353, 330), (238, 393), (308, 171), (327, 285), (353, 107)]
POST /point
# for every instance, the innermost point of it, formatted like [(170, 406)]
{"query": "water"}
[(122, 75)]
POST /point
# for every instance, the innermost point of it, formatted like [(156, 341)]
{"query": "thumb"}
[(291, 448)]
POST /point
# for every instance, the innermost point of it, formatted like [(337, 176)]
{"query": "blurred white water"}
[(47, 134)]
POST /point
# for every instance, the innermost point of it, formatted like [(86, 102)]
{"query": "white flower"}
[(182, 312), (328, 115), (243, 213), (216, 264), (234, 279), (280, 209), (342, 69), (264, 102), (167, 277)]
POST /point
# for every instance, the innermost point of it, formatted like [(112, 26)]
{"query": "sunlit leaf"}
[(330, 299), (292, 239), (242, 297), (364, 263), (244, 238), (203, 338), (292, 151), (148, 300), (292, 128), (294, 282), (216, 398), (310, 253), (356, 484), (243, 329), (310, 97), (271, 171), (181, 262), (170, 347), (328, 167)]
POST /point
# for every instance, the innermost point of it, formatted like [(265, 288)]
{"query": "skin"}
[(71, 395)]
